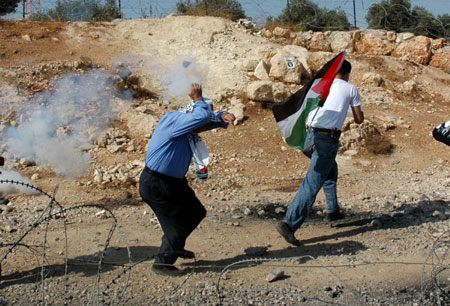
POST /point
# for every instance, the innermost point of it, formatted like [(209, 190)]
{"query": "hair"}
[(345, 68)]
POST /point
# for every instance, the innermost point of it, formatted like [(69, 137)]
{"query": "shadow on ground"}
[(87, 265)]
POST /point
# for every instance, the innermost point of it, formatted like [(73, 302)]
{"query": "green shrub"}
[(393, 15), (397, 15), (81, 10), (305, 15), (231, 9), (8, 6)]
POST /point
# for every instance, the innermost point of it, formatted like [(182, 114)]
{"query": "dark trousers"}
[(177, 208)]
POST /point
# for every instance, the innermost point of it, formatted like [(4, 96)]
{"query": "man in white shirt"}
[(321, 146)]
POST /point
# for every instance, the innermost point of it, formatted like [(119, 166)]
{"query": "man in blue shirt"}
[(163, 185)]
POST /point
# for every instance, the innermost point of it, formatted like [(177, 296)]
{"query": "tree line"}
[(299, 15)]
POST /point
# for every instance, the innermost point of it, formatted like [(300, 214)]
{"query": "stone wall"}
[(419, 49)]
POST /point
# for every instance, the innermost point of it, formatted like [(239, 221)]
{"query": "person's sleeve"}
[(356, 98), (188, 122), (216, 121)]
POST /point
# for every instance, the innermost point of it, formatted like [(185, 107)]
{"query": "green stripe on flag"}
[(297, 138)]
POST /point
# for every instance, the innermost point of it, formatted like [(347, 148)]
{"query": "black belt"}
[(162, 175), (322, 130), (334, 133)]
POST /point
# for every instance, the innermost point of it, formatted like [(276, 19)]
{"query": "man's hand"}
[(195, 92), (228, 118)]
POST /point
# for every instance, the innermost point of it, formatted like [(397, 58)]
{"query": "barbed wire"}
[(45, 217), (434, 289), (261, 10)]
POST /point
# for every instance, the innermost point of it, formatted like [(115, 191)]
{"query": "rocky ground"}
[(394, 179)]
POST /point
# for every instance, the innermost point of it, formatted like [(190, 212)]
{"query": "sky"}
[(258, 10)]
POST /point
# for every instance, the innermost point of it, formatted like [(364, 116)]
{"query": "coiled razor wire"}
[(45, 217), (437, 289)]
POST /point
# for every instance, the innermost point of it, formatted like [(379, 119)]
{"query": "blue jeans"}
[(323, 172)]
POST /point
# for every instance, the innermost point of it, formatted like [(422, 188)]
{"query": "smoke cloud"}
[(172, 77), (182, 73), (60, 126), (9, 188)]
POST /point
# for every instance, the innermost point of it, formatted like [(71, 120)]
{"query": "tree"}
[(297, 12), (391, 15), (81, 10), (424, 23), (8, 6), (444, 24), (221, 8), (396, 15), (306, 15)]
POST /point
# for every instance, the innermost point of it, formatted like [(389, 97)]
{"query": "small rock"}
[(26, 37), (102, 214), (255, 251), (247, 211), (280, 210), (375, 223), (274, 275)]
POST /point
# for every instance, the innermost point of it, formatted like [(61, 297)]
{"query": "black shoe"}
[(167, 270), (287, 233), (186, 254), (333, 216)]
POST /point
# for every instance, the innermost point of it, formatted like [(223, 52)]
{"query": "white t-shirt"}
[(332, 114)]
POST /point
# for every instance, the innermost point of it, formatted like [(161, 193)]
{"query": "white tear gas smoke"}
[(182, 74), (173, 77), (61, 125), (10, 188)]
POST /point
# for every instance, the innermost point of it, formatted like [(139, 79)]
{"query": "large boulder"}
[(340, 40), (267, 91), (265, 53), (280, 71), (301, 54), (280, 91), (441, 59), (281, 32), (302, 38), (373, 79), (260, 91), (319, 42), (139, 124), (317, 59), (417, 50), (262, 71), (369, 43)]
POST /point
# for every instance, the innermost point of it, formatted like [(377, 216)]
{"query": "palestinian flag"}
[(291, 114)]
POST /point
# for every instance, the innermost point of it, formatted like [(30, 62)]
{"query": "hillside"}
[(104, 86)]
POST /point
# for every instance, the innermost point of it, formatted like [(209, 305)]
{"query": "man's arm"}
[(358, 114), (226, 117)]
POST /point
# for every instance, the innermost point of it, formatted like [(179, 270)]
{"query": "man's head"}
[(344, 71)]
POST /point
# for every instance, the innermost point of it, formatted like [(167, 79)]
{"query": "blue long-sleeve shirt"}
[(169, 152)]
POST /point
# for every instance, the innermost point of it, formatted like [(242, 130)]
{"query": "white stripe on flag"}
[(287, 125)]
